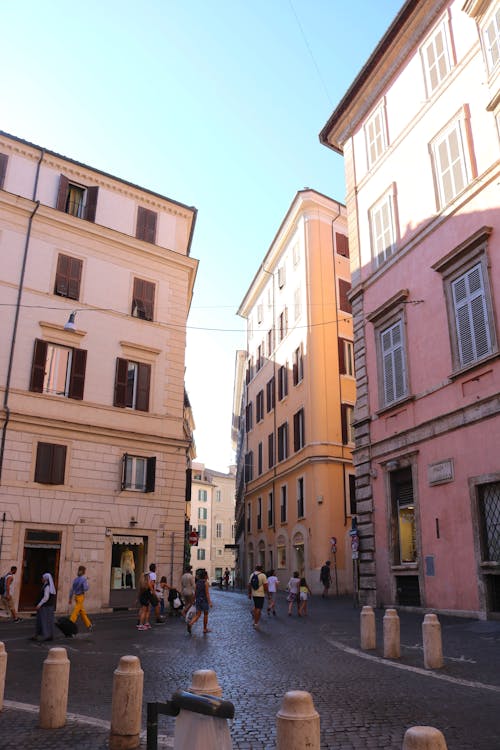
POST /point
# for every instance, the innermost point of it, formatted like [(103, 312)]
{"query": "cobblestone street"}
[(363, 700)]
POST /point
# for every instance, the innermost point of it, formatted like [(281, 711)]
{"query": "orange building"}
[(298, 397)]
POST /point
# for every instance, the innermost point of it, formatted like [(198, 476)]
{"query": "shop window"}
[(127, 561), (403, 517)]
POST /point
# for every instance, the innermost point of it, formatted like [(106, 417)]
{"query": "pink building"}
[(419, 130)]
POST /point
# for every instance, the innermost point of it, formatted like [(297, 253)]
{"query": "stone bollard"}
[(392, 639), (126, 704), (368, 639), (54, 689), (3, 670), (205, 682), (424, 738), (433, 646), (297, 722)]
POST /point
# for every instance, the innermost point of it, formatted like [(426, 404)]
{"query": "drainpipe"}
[(16, 317)]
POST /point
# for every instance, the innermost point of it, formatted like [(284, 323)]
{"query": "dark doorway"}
[(41, 555)]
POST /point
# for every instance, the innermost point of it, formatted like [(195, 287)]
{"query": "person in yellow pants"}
[(78, 590)]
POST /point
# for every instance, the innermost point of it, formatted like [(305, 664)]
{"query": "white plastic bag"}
[(177, 603), (190, 613), (197, 732)]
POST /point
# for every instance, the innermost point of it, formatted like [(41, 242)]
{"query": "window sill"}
[(394, 405), (474, 365), (404, 567), (490, 565)]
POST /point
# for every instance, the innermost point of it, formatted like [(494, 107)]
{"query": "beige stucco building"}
[(96, 433), (295, 483)]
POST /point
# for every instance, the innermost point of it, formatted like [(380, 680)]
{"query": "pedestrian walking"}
[(79, 588), (161, 591), (293, 592), (44, 626), (325, 577), (257, 590), (8, 594), (147, 598), (304, 593), (202, 601), (272, 588), (187, 586), (226, 578), (154, 600)]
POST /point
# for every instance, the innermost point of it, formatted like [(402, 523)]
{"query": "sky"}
[(214, 103)]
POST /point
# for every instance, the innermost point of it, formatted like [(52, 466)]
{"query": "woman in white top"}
[(272, 587), (293, 592)]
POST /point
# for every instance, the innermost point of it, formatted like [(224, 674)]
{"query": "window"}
[(403, 517), (376, 135), (436, 59), (138, 473), (260, 313), (202, 514), (249, 416), (260, 357), (393, 357), (282, 382), (489, 520), (342, 244), (450, 161), (249, 466), (283, 509), (270, 342), (259, 513), (259, 406), (58, 370), (270, 394), (491, 39), (218, 496), (281, 555), (283, 441), (344, 289), (249, 517), (68, 277), (132, 381), (202, 496), (200, 554), (218, 529), (347, 414), (270, 450), (298, 430), (283, 324), (383, 229), (202, 531), (143, 299), (50, 463), (3, 168), (259, 459), (466, 286), (352, 495), (346, 357), (281, 276), (298, 365), (77, 200), (300, 498), (297, 303), (270, 509), (146, 224)]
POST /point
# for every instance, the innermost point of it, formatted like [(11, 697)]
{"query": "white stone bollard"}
[(424, 738), (54, 689), (297, 722), (392, 638), (205, 682), (368, 638), (126, 704), (433, 645), (3, 670)]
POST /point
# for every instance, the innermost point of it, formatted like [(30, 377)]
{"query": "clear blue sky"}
[(215, 103)]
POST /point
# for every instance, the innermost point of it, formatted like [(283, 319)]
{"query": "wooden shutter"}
[(120, 397), (58, 464), (77, 376), (392, 346), (74, 278), (143, 299), (143, 381), (471, 316), (270, 450), (125, 458), (62, 195), (344, 289), (3, 168), (342, 244), (343, 419), (91, 206), (189, 484), (68, 276), (50, 463), (296, 432), (342, 363), (38, 366), (146, 224), (150, 474)]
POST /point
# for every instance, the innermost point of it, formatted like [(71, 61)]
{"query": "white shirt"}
[(272, 582)]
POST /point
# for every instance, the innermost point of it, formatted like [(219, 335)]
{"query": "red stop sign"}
[(193, 537)]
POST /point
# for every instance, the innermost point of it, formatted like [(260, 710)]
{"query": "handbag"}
[(176, 603)]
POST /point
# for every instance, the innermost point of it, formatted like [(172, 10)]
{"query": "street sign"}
[(193, 537), (333, 542)]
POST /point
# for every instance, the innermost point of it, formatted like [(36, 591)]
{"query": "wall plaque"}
[(441, 472)]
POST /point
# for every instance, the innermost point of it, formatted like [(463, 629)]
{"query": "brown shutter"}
[(342, 369), (150, 226), (3, 168), (143, 381), (62, 273), (296, 435), (149, 299), (343, 418), (43, 467), (344, 289), (77, 377), (150, 474), (91, 206), (38, 366), (342, 244), (120, 398), (58, 464), (74, 278), (63, 193)]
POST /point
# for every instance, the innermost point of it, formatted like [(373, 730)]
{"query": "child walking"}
[(304, 592)]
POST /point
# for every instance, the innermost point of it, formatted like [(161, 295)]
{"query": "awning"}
[(128, 540)]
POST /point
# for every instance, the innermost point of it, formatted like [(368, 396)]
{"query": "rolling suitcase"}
[(68, 628)]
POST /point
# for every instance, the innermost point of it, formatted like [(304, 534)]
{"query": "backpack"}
[(254, 581), (3, 587)]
